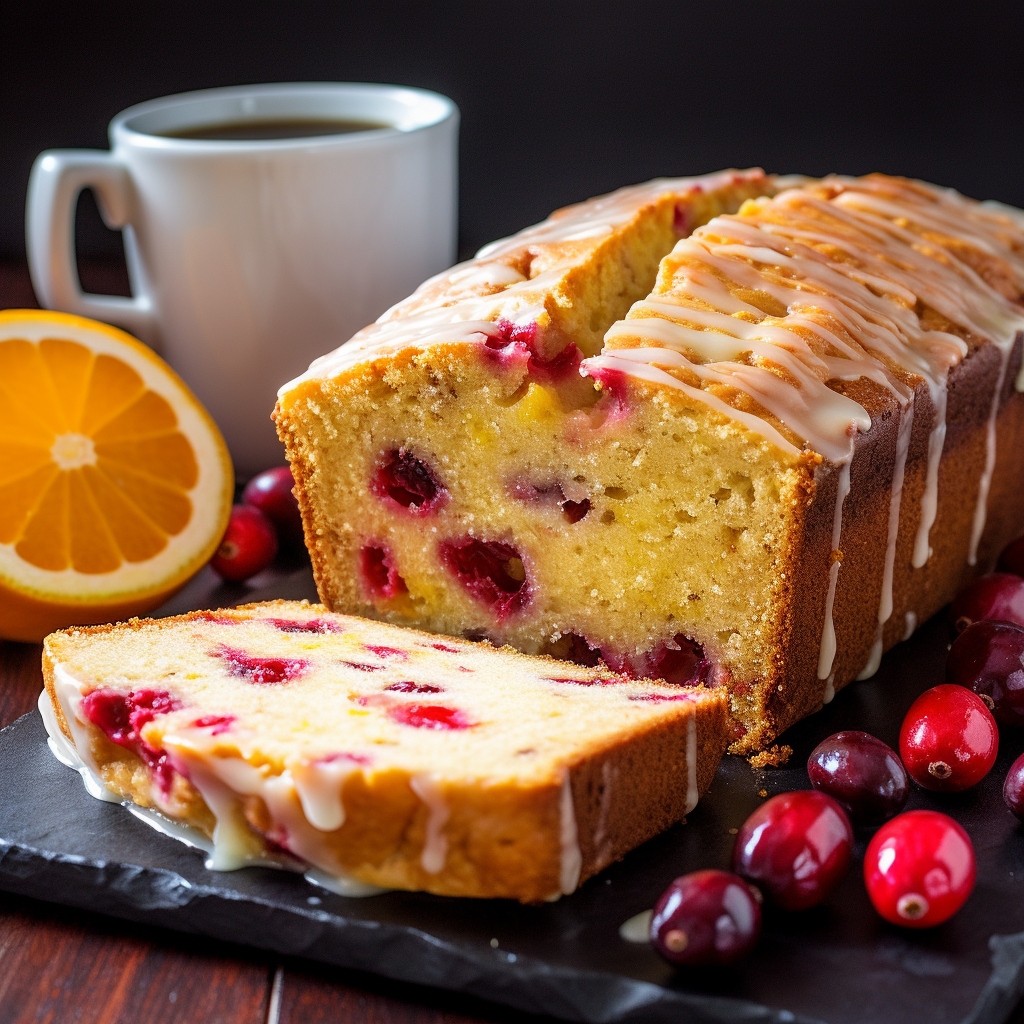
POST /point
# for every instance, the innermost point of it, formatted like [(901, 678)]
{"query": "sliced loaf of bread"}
[(380, 754)]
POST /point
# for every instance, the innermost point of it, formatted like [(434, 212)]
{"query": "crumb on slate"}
[(774, 757)]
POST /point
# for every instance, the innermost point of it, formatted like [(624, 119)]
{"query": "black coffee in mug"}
[(253, 131), (325, 202)]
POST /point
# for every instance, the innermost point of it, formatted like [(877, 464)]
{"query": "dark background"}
[(559, 101)]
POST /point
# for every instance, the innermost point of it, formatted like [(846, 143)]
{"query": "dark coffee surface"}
[(255, 131), (837, 963)]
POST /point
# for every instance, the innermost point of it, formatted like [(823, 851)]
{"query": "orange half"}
[(115, 483)]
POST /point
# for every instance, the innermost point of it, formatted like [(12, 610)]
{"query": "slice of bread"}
[(381, 754)]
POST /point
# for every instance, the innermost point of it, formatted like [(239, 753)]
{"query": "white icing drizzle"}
[(571, 859), (233, 775), (220, 780), (637, 928), (874, 300), (830, 689), (342, 885), (827, 650), (473, 275), (910, 625), (903, 434), (319, 787), (692, 793), (448, 325), (625, 361), (930, 499), (445, 309), (79, 756), (223, 780), (435, 845), (605, 213), (234, 845), (808, 407), (875, 655), (981, 507), (67, 754)]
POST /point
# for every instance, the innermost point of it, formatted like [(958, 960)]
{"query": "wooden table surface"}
[(60, 965)]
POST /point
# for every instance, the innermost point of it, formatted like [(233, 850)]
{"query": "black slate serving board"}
[(836, 963)]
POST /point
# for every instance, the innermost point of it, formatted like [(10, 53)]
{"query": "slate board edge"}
[(402, 953), (1005, 986), (409, 954)]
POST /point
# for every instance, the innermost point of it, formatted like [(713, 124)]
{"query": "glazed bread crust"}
[(801, 444), (525, 828), (918, 593)]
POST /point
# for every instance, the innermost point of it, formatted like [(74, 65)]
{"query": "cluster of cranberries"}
[(267, 518), (919, 867)]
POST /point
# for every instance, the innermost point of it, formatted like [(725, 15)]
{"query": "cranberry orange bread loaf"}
[(800, 444), (380, 754)]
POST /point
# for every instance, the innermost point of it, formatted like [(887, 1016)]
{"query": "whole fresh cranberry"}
[(1012, 558), (1013, 788), (949, 739), (271, 492), (919, 869), (860, 772), (249, 544), (999, 595), (706, 917), (988, 658), (795, 847)]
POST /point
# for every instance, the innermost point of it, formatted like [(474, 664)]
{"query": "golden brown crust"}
[(647, 783), (58, 711), (504, 839)]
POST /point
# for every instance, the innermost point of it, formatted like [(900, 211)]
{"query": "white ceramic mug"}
[(249, 259)]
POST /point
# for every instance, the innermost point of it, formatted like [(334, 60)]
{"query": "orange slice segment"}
[(115, 484)]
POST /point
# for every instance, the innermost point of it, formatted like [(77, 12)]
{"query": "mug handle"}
[(58, 175)]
